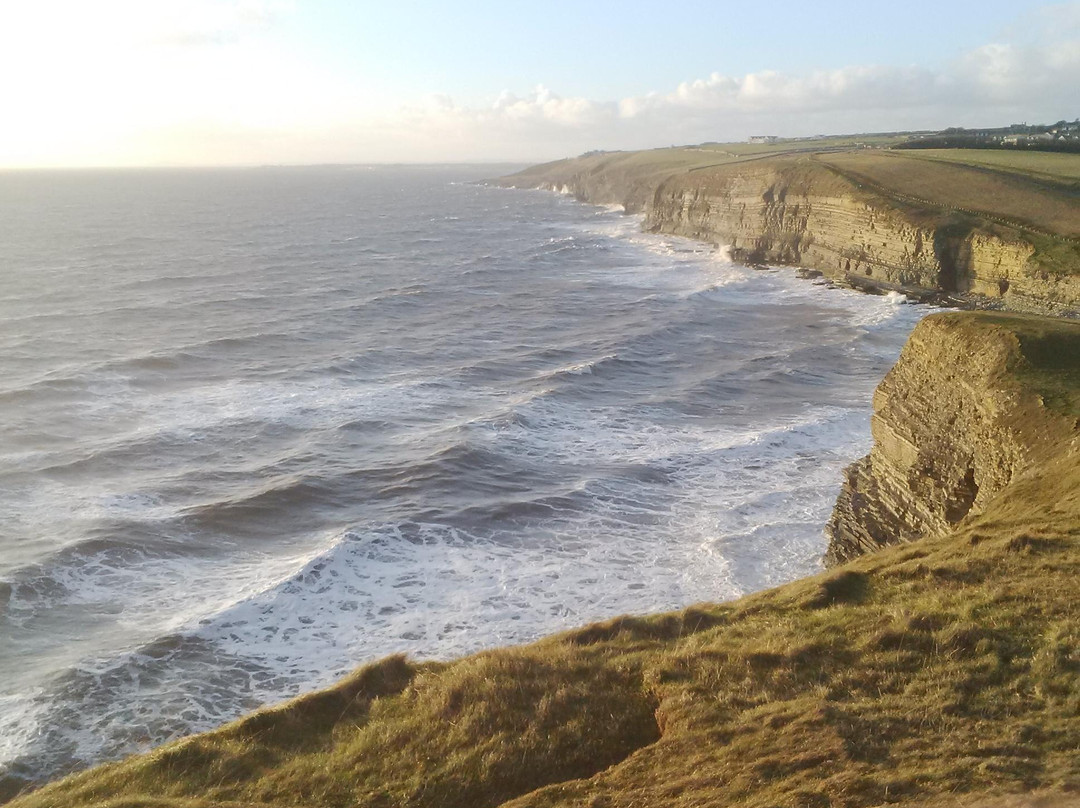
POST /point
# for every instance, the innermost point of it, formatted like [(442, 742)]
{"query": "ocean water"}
[(258, 427)]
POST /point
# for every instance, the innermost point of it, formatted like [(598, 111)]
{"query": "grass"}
[(945, 672), (1010, 197), (809, 144), (631, 177), (1056, 167), (1050, 363)]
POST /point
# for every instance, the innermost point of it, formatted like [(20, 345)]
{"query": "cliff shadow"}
[(952, 248)]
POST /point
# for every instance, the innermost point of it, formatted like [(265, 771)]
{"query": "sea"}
[(259, 427)]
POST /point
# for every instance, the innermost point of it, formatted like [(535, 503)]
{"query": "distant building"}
[(763, 138), (1028, 140)]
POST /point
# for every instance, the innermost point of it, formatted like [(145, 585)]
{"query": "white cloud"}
[(1036, 76), (540, 107), (770, 91), (995, 84), (1031, 75)]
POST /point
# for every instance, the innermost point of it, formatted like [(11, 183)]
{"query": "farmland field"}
[(1052, 166), (1008, 195)]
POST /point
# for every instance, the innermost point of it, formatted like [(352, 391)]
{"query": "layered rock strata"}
[(798, 211), (951, 428)]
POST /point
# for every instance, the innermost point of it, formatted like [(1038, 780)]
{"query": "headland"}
[(964, 227)]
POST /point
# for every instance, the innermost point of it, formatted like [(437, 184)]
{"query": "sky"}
[(254, 82)]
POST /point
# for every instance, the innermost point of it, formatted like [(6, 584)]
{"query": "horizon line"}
[(263, 166)]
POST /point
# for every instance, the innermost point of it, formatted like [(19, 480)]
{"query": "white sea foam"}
[(436, 590), (585, 367), (723, 254), (439, 590), (20, 722)]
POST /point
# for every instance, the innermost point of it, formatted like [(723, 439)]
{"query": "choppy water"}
[(260, 426)]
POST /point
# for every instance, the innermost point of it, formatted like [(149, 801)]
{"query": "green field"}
[(1051, 166), (816, 144), (1014, 197)]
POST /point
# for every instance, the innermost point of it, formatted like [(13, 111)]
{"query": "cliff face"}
[(799, 213), (952, 427), (952, 424), (796, 210)]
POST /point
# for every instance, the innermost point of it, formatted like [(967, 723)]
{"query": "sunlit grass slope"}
[(944, 672), (1043, 194), (1058, 167)]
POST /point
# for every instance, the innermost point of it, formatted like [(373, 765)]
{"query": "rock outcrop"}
[(952, 428)]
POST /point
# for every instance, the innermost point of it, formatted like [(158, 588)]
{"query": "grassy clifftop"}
[(945, 672), (1032, 189)]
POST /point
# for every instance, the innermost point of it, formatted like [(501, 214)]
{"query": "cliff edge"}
[(929, 226), (974, 402)]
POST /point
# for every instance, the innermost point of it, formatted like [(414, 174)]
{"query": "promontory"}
[(989, 228)]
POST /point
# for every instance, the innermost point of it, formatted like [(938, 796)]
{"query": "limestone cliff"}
[(799, 210), (961, 415)]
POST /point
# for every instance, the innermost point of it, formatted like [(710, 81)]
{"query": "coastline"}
[(940, 668), (627, 398), (824, 213)]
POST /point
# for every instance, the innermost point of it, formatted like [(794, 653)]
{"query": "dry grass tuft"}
[(846, 586)]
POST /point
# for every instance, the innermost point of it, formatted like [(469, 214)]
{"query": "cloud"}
[(770, 91), (541, 107), (1031, 74), (995, 84), (206, 81), (1036, 76)]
